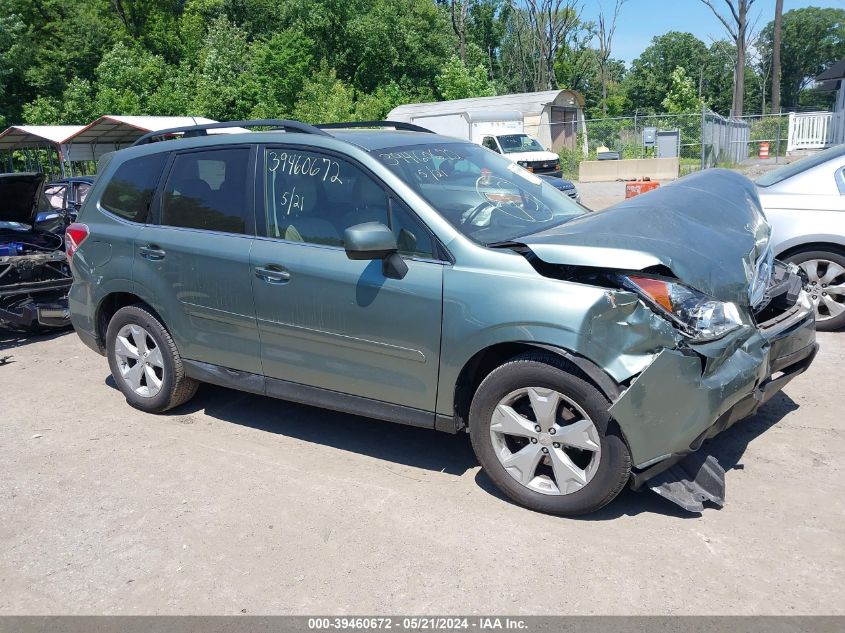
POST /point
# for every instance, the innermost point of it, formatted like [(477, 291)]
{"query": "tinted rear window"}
[(131, 189), (208, 190)]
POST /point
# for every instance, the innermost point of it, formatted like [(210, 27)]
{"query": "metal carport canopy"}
[(114, 132), (36, 136)]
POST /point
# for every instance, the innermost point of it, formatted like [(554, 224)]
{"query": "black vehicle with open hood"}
[(34, 275)]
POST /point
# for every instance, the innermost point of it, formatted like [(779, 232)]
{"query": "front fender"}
[(612, 329)]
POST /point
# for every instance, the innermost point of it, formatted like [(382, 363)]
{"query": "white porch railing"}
[(815, 130)]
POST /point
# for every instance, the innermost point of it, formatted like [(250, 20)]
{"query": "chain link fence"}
[(625, 134), (723, 141), (706, 139), (768, 128)]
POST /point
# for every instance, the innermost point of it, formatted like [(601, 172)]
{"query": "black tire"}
[(176, 387), (551, 372), (823, 322)]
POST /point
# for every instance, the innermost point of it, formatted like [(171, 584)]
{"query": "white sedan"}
[(805, 204)]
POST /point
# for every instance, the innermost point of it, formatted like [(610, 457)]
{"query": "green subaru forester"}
[(386, 271)]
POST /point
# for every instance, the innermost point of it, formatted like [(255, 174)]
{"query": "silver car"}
[(805, 204)]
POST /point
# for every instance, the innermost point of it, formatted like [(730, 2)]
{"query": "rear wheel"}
[(145, 363), (825, 285), (545, 437)]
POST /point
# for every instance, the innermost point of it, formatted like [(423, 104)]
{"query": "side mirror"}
[(373, 240)]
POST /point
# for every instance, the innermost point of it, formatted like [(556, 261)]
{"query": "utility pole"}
[(776, 35)]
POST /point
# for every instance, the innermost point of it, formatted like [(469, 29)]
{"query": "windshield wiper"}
[(503, 244)]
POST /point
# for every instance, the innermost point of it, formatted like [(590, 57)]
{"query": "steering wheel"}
[(522, 212), (476, 211)]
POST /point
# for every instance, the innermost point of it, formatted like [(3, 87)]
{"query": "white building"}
[(553, 117), (817, 130)]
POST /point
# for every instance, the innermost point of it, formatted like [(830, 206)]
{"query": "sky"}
[(641, 20)]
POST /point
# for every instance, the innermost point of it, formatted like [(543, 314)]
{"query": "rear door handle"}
[(152, 252), (272, 274)]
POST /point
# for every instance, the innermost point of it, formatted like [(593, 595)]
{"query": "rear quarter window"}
[(130, 190)]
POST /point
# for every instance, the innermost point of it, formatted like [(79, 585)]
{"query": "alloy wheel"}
[(826, 287), (139, 360), (545, 441)]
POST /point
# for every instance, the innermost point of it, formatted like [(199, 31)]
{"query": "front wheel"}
[(825, 285), (145, 363), (545, 437)]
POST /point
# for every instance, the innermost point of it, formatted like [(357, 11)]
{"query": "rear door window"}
[(130, 190), (208, 190)]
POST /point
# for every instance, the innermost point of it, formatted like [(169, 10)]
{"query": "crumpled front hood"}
[(707, 228), (19, 196)]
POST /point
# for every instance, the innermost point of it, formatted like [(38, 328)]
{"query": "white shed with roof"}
[(114, 132), (553, 117)]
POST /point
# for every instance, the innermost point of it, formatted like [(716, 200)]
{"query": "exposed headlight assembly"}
[(697, 315), (761, 278)]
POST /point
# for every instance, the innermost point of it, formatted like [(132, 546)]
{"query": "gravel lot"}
[(598, 195), (236, 503)]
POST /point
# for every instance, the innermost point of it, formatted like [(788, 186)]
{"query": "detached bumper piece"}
[(33, 291), (691, 482), (32, 314)]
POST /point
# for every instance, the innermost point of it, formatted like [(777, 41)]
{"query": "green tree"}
[(682, 97), (395, 39), (577, 63), (281, 66), (127, 77), (175, 96), (226, 85), (193, 24), (811, 40), (43, 110), (51, 42), (650, 77), (376, 105), (78, 106), (325, 99), (456, 81), (486, 28), (151, 23), (716, 76), (11, 30)]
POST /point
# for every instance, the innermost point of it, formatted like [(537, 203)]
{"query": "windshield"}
[(519, 143), (788, 171), (485, 196)]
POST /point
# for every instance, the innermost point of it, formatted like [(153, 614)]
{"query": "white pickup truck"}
[(501, 132)]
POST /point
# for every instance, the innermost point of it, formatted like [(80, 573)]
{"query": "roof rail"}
[(396, 125), (202, 130)]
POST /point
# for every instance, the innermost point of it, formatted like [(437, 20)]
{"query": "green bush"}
[(769, 129)]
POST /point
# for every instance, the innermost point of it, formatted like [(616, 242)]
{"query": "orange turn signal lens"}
[(656, 289)]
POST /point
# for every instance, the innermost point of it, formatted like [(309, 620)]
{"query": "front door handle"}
[(151, 252), (272, 274)]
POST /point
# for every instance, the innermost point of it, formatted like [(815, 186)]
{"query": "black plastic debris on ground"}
[(691, 482)]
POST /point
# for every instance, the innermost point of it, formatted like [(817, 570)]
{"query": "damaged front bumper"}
[(693, 392)]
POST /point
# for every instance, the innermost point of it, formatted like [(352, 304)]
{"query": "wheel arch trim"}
[(816, 242), (468, 379)]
